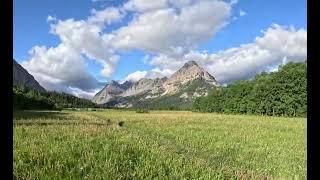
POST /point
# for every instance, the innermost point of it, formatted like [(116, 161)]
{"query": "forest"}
[(26, 98), (281, 93)]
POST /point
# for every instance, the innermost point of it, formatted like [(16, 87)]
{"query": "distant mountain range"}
[(21, 77), (178, 91), (189, 82)]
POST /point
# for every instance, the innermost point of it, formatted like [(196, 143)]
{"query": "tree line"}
[(27, 98), (281, 93)]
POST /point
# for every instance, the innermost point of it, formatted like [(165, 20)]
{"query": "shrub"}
[(121, 123)]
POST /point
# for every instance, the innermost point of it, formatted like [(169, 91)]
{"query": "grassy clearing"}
[(157, 145)]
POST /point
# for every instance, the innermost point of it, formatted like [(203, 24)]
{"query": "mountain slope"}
[(21, 77), (27, 98), (189, 82), (189, 72)]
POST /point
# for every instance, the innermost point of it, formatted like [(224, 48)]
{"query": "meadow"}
[(119, 144)]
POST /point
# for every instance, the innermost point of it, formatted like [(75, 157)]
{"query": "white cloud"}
[(242, 13), (145, 5), (110, 67), (278, 44), (135, 76), (51, 18), (167, 27), (106, 16), (284, 40), (60, 65), (152, 74), (166, 62), (159, 73), (84, 94), (162, 30), (87, 37), (63, 67), (170, 31)]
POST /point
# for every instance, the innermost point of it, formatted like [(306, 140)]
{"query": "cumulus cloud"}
[(166, 29), (87, 37), (63, 67), (135, 76), (277, 45), (84, 94), (145, 5), (106, 16), (60, 65), (152, 74), (168, 32)]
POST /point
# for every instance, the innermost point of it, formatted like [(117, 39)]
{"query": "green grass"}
[(157, 145)]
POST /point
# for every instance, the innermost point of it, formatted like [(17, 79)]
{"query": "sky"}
[(77, 46)]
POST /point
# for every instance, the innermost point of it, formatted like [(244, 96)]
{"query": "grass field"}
[(157, 145)]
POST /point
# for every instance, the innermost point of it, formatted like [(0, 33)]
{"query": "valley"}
[(168, 89), (157, 145)]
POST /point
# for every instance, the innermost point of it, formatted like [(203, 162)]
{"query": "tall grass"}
[(157, 145)]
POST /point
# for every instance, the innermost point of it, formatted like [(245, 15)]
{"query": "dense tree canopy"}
[(26, 98), (278, 93)]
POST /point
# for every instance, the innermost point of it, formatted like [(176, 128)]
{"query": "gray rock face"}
[(109, 92), (189, 72), (153, 88), (144, 85), (21, 77)]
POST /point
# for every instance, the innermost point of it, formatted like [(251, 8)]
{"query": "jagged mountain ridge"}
[(21, 77), (188, 82)]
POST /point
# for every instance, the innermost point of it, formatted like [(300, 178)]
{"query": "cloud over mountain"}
[(63, 67), (277, 45), (168, 32)]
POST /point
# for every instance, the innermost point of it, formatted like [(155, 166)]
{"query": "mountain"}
[(110, 91), (21, 77), (189, 82)]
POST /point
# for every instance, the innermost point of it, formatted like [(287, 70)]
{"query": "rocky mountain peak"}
[(187, 73), (127, 84), (147, 89), (190, 64), (114, 83)]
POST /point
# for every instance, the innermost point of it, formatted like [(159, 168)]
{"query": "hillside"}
[(27, 98), (177, 92), (277, 93), (21, 77)]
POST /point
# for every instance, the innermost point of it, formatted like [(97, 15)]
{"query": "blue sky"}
[(32, 29)]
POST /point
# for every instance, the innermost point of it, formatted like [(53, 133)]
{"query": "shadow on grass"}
[(37, 123), (33, 115), (46, 118)]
